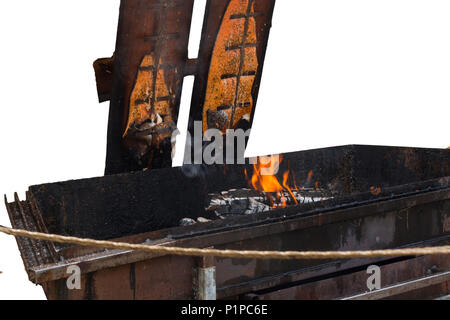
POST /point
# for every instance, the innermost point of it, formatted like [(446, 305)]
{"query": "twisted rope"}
[(244, 254)]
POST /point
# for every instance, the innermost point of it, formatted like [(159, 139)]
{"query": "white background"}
[(337, 72), (373, 72)]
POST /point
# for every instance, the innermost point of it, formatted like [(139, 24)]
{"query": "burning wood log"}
[(239, 202), (246, 201)]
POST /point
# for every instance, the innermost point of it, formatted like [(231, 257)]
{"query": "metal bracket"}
[(205, 280)]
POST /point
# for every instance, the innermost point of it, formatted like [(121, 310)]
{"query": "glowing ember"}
[(376, 191)]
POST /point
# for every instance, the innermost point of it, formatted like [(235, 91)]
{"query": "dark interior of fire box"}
[(198, 198)]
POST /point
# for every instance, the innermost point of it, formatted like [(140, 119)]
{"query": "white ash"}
[(256, 207), (246, 201), (237, 202), (187, 222)]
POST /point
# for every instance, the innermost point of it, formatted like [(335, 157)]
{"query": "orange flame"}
[(264, 179), (285, 180), (310, 175)]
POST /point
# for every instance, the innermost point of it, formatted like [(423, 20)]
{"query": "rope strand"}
[(193, 252)]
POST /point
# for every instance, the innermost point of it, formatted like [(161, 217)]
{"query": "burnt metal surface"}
[(122, 205), (438, 281), (357, 168), (104, 71), (408, 220), (155, 279), (24, 215), (230, 66), (387, 228), (150, 55), (239, 230), (150, 63), (354, 282), (230, 63)]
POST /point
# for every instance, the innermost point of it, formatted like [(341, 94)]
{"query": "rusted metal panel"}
[(238, 277), (151, 61), (235, 64), (430, 292), (161, 278), (23, 215), (104, 72), (414, 285), (151, 51), (230, 63), (151, 200), (355, 283), (263, 225), (417, 219), (368, 233)]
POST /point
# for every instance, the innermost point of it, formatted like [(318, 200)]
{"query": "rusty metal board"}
[(24, 215), (144, 78), (415, 221), (149, 63), (231, 63), (151, 200), (278, 225), (353, 284)]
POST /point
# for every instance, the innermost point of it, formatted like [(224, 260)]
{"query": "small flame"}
[(376, 191), (310, 176), (264, 179), (285, 180)]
